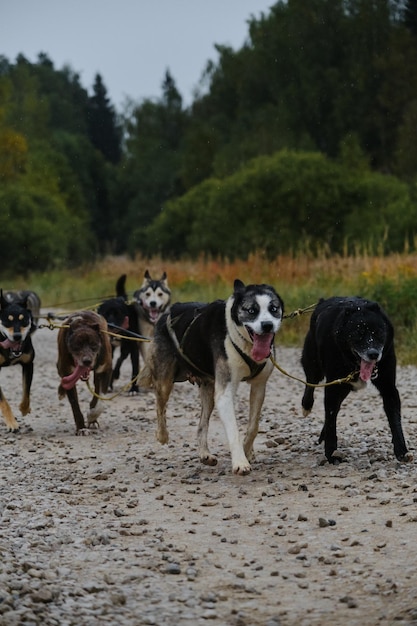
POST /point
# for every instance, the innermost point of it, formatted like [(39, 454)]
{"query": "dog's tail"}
[(145, 377), (121, 287)]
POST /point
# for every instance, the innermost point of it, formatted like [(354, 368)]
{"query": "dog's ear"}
[(24, 302), (163, 278), (3, 302), (238, 286), (146, 279)]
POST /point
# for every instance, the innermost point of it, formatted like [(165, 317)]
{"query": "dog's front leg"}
[(207, 405), (257, 396), (9, 418), (224, 398), (101, 381), (27, 376), (392, 407), (78, 416), (333, 398)]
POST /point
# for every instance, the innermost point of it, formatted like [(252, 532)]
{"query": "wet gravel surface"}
[(116, 529)]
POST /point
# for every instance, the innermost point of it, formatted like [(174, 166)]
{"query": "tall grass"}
[(301, 280)]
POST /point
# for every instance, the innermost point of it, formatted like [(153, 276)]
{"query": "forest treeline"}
[(303, 139)]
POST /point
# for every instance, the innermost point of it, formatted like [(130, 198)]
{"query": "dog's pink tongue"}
[(154, 314), (367, 367), (261, 346), (81, 371), (7, 344)]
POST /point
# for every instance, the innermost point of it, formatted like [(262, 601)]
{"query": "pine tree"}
[(103, 129)]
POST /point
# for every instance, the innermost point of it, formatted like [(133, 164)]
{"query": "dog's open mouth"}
[(366, 370), (153, 314), (15, 347), (81, 372), (262, 344)]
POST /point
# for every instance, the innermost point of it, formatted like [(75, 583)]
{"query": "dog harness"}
[(255, 368)]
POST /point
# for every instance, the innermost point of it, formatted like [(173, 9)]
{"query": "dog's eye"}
[(251, 310), (273, 308), (20, 317), (10, 318)]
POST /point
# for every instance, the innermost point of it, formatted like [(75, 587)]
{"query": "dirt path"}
[(117, 529)]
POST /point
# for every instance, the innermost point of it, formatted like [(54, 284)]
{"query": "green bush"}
[(37, 232), (287, 202)]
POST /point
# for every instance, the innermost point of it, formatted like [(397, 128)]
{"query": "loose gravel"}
[(116, 529)]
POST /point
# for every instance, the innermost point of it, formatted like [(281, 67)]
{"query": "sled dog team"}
[(218, 345)]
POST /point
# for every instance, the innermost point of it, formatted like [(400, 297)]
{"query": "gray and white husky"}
[(152, 300), (217, 346)]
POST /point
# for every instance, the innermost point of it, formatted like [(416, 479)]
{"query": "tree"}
[(103, 129)]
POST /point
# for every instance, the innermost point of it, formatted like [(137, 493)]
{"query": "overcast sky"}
[(130, 43)]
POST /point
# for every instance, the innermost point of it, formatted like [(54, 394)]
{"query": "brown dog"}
[(84, 346)]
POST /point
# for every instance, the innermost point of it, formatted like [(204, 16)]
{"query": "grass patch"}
[(300, 280)]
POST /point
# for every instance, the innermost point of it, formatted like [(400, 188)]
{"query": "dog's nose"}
[(17, 336), (372, 355), (87, 362), (266, 327), (152, 304)]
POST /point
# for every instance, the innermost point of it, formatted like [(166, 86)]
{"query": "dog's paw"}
[(24, 408), (13, 429), (94, 425), (306, 412), (208, 459), (83, 432), (408, 457), (162, 436), (336, 457), (133, 390), (242, 469)]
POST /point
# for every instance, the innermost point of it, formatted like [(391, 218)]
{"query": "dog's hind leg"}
[(9, 418), (134, 358), (207, 405), (257, 396), (163, 390), (313, 372), (27, 376)]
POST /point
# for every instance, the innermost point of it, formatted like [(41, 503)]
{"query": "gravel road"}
[(116, 529)]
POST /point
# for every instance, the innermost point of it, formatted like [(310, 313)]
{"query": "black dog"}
[(121, 315), (351, 335), (16, 327)]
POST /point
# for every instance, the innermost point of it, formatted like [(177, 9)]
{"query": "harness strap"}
[(255, 368), (178, 345)]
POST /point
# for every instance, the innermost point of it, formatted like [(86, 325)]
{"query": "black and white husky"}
[(217, 345)]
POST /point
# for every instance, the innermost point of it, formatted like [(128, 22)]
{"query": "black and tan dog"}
[(153, 299), (217, 345), (16, 327), (84, 346), (30, 299), (351, 334), (122, 316)]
